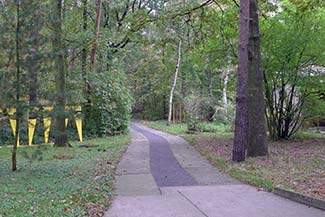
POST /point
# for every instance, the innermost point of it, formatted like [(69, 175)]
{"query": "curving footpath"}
[(161, 175)]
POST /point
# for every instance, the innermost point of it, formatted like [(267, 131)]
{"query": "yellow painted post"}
[(78, 120), (47, 124), (66, 122), (31, 130), (13, 123)]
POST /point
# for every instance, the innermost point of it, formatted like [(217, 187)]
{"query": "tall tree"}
[(174, 83), (61, 138), (257, 145), (97, 28), (18, 69), (241, 119), (33, 57), (84, 47)]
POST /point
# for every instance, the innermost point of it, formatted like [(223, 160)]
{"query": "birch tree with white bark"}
[(174, 83)]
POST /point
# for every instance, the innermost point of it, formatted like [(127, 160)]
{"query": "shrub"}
[(225, 114), (111, 106)]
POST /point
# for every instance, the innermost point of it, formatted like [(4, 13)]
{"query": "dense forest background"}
[(117, 59)]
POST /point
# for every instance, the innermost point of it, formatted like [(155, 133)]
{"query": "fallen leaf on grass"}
[(97, 177), (63, 156)]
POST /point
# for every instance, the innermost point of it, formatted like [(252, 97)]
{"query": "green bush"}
[(198, 109), (225, 114), (111, 107)]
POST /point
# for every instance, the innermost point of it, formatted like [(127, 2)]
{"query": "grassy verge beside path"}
[(297, 164), (74, 181), (181, 128)]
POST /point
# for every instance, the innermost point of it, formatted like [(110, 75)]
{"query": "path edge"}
[(300, 198)]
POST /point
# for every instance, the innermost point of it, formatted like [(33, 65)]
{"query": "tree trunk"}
[(210, 88), (241, 120), (94, 48), (33, 57), (225, 84), (14, 150), (61, 138), (164, 106), (84, 52), (174, 83), (257, 145), (34, 68), (92, 54)]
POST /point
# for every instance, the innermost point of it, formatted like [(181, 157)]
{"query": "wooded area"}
[(137, 59), (239, 80)]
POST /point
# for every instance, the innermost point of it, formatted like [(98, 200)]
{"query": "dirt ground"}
[(297, 165)]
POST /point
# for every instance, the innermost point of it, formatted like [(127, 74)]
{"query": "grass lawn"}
[(297, 164), (181, 128), (58, 185)]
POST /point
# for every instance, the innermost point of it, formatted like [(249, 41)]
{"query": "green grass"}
[(162, 125), (60, 187), (240, 171), (304, 134), (250, 177), (181, 128), (213, 127)]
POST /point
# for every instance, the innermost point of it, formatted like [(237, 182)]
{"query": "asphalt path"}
[(165, 168)]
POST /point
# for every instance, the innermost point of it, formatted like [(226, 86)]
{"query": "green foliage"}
[(6, 136), (110, 112), (225, 114), (66, 187), (315, 106), (293, 63), (197, 108), (192, 108)]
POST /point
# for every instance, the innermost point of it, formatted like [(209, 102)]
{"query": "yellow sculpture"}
[(78, 120), (13, 123), (31, 130), (47, 123)]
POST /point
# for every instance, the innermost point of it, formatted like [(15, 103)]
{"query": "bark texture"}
[(61, 138), (225, 84), (14, 150), (257, 145), (84, 49), (94, 48), (241, 119), (174, 83), (34, 56)]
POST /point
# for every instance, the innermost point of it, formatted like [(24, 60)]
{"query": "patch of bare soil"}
[(297, 165)]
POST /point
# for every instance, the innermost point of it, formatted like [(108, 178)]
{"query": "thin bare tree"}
[(174, 83)]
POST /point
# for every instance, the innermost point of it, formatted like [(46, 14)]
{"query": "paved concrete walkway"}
[(165, 168), (206, 191)]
